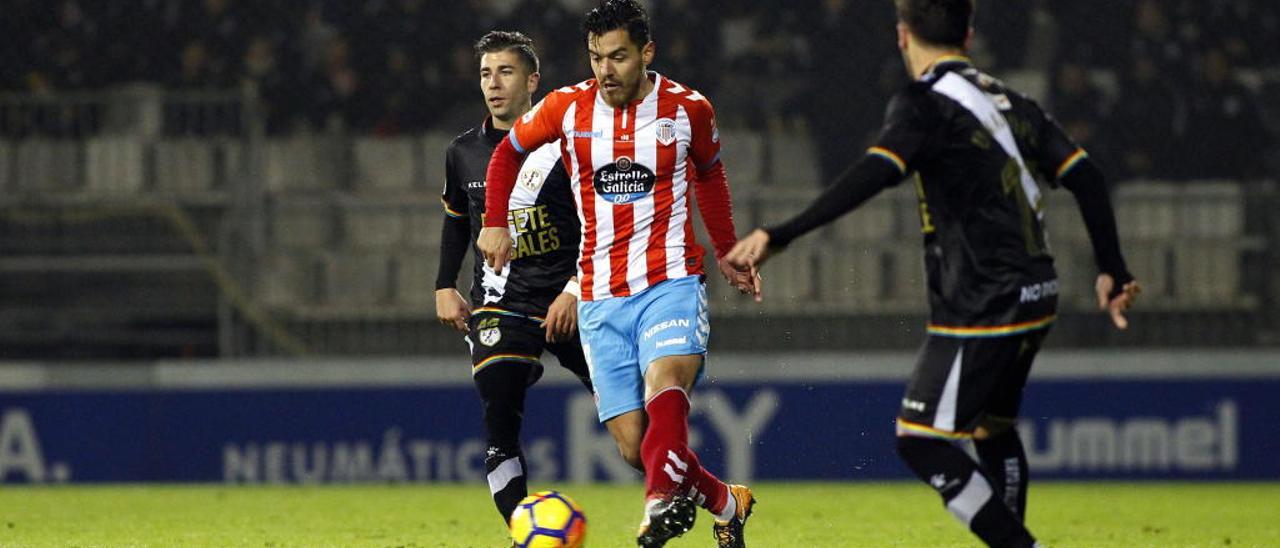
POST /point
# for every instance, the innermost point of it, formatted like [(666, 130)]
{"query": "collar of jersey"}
[(657, 83), (946, 63), (492, 134)]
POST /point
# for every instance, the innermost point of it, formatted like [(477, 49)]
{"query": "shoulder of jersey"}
[(682, 93), (574, 91), (549, 152), (470, 133)]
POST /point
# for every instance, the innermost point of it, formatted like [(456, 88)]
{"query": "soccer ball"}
[(548, 519)]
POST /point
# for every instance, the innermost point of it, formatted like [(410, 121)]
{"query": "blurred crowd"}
[(1176, 103)]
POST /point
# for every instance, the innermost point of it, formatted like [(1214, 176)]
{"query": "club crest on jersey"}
[(491, 336), (531, 179), (666, 131), (623, 181)]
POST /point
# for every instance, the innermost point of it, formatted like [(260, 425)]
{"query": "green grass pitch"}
[(799, 515)]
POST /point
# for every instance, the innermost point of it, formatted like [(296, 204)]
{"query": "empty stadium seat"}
[(1150, 264), (1206, 273), (851, 277), (422, 225), (290, 280), (1211, 209), (792, 160), (1062, 221), (790, 281), (113, 165), (300, 163), (874, 221), (385, 164), (906, 287), (302, 223), (780, 205), (184, 166), (434, 146), (49, 166), (742, 153), (415, 278), (230, 167), (1145, 210), (357, 279), (8, 163), (372, 224)]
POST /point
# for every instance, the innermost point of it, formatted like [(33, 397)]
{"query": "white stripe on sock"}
[(966, 504), (502, 475), (730, 506), (682, 465), (672, 474)]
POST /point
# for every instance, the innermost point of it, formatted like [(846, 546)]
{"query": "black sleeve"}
[(1056, 152), (455, 235), (1087, 183), (909, 120)]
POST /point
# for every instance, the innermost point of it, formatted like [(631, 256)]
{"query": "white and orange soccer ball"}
[(548, 519)]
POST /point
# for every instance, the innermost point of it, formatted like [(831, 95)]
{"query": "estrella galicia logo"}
[(624, 181)]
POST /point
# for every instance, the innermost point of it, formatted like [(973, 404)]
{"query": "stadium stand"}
[(272, 163)]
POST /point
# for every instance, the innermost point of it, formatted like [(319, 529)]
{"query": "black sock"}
[(507, 479), (1005, 461), (965, 490), (502, 389)]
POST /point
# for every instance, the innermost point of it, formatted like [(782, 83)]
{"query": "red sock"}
[(670, 466)]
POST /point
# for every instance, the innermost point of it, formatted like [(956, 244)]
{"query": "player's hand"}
[(745, 280), (452, 310), (495, 244), (751, 252), (562, 318), (1122, 301)]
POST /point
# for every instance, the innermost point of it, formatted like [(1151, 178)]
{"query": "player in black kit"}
[(976, 149), (532, 304)]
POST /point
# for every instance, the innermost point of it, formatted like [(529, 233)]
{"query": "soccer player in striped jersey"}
[(530, 305), (976, 149), (635, 143)]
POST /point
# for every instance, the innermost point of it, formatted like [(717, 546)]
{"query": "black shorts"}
[(960, 382), (506, 339)]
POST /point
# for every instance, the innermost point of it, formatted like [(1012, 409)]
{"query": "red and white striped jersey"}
[(632, 169)]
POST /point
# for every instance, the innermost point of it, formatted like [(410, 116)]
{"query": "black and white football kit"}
[(976, 152), (509, 308)]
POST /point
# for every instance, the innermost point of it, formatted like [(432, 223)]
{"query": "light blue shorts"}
[(621, 336)]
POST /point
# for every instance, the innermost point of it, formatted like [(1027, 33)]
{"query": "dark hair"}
[(618, 14), (937, 22), (509, 40)]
